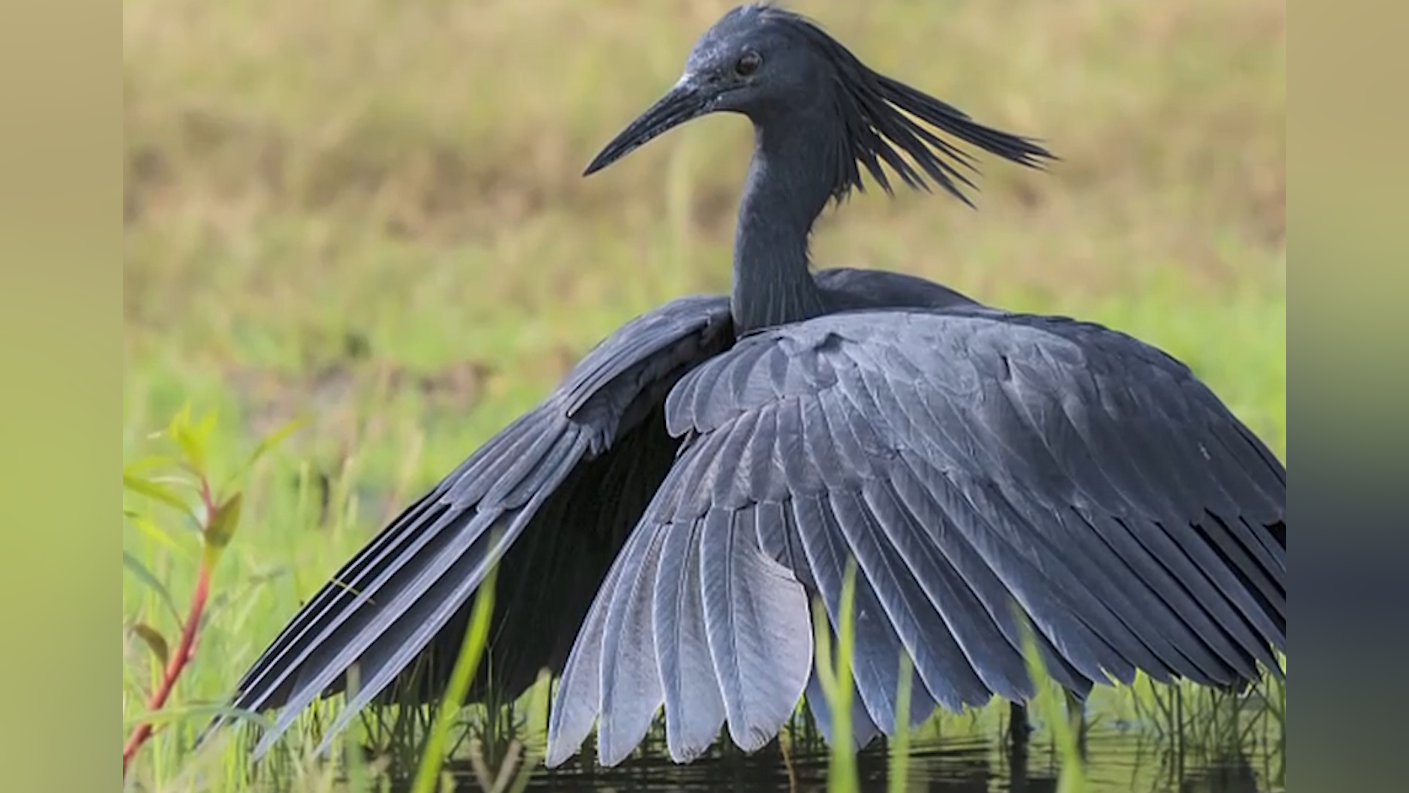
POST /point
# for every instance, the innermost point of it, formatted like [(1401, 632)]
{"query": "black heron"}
[(662, 520)]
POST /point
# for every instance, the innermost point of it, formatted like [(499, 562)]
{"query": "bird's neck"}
[(787, 188)]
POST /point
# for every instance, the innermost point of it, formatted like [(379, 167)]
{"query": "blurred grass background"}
[(370, 214)]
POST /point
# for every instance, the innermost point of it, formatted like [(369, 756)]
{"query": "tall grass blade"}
[(466, 663), (1071, 778), (835, 677), (900, 744)]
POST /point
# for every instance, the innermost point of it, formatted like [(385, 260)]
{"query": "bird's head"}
[(768, 63)]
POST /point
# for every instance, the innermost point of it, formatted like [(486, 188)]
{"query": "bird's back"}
[(853, 288)]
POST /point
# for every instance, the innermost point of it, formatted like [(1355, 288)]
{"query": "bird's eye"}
[(748, 63)]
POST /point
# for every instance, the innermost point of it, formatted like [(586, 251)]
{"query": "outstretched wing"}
[(391, 599), (968, 460)]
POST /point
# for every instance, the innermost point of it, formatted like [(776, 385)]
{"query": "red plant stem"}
[(207, 499), (174, 665)]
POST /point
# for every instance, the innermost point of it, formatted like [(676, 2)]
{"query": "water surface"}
[(1119, 758)]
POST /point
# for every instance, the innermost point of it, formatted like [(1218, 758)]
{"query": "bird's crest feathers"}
[(880, 118)]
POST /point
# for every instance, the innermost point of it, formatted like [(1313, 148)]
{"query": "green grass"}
[(369, 214)]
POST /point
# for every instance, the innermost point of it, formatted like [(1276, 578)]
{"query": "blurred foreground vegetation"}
[(369, 215)]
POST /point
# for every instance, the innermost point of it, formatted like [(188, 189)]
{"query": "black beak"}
[(682, 103)]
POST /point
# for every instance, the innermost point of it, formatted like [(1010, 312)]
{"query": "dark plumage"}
[(873, 108), (663, 518)]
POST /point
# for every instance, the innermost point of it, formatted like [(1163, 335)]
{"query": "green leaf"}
[(149, 462), (151, 529), (223, 522), (155, 491), (269, 442), (181, 419), (179, 423), (172, 713), (144, 575), (207, 426), (192, 438), (153, 639), (194, 451), (277, 437)]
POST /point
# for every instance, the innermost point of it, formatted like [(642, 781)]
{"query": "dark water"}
[(1116, 761)]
